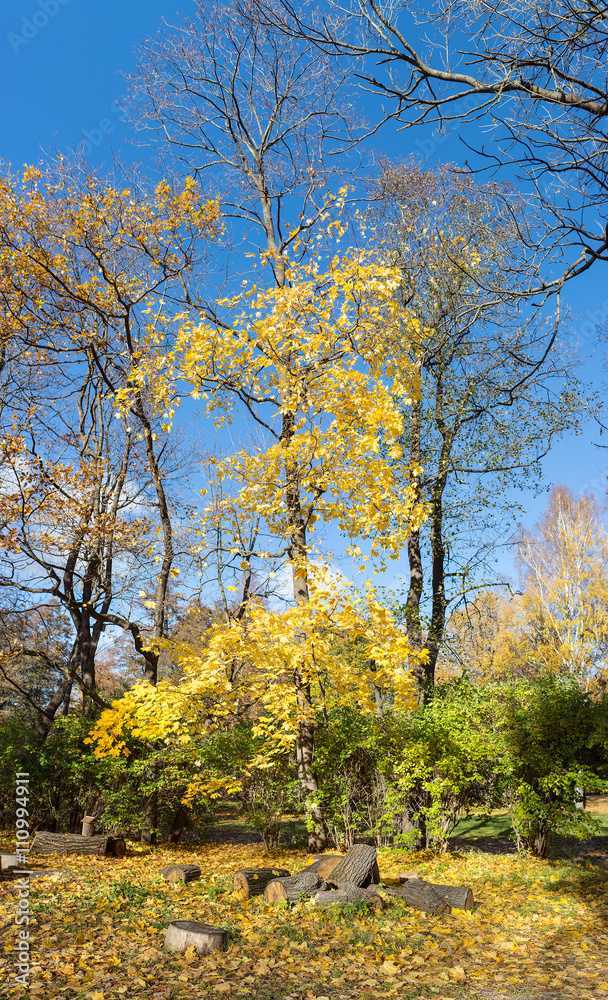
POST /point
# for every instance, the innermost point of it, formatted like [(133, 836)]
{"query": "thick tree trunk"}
[(324, 864), (183, 934), (181, 873), (253, 881), (358, 867), (68, 843), (347, 893), (46, 716), (180, 821), (305, 742), (458, 896)]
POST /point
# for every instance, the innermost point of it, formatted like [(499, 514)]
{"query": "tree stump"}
[(181, 934), (347, 893), (11, 861), (69, 843), (421, 896), (88, 826), (357, 866), (252, 881), (303, 884), (180, 873)]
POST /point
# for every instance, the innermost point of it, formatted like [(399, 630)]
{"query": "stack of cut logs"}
[(353, 877), (331, 879)]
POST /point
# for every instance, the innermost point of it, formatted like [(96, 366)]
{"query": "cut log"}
[(180, 873), (88, 826), (458, 896), (324, 864), (347, 893), (181, 934), (11, 861), (406, 876), (357, 866), (252, 881), (303, 884), (421, 896), (69, 843)]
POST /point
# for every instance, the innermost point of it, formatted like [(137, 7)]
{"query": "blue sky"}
[(60, 74)]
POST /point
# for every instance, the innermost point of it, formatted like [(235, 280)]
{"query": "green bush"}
[(554, 744)]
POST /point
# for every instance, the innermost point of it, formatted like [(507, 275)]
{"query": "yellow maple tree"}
[(319, 364)]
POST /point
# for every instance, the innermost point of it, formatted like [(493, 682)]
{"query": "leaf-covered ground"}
[(539, 930)]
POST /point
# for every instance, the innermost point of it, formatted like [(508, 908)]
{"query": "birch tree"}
[(558, 620)]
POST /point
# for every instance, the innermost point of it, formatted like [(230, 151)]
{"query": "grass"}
[(497, 823)]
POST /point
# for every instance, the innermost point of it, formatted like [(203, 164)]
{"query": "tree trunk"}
[(357, 867), (182, 934), (298, 554), (150, 817), (180, 822), (305, 742), (413, 623), (88, 826), (324, 864), (303, 884), (540, 841), (252, 881), (68, 843), (458, 896)]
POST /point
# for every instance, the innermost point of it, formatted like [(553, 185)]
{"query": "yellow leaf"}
[(457, 971)]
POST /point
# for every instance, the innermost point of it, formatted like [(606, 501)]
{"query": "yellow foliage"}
[(322, 365), (538, 927), (254, 660), (559, 622)]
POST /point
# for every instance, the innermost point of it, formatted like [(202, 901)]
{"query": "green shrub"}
[(554, 745)]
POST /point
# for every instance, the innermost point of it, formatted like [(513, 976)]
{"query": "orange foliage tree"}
[(89, 274)]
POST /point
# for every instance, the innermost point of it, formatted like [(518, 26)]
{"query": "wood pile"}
[(341, 879), (253, 881)]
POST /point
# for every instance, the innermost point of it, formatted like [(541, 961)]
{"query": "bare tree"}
[(496, 388), (267, 114), (534, 76)]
